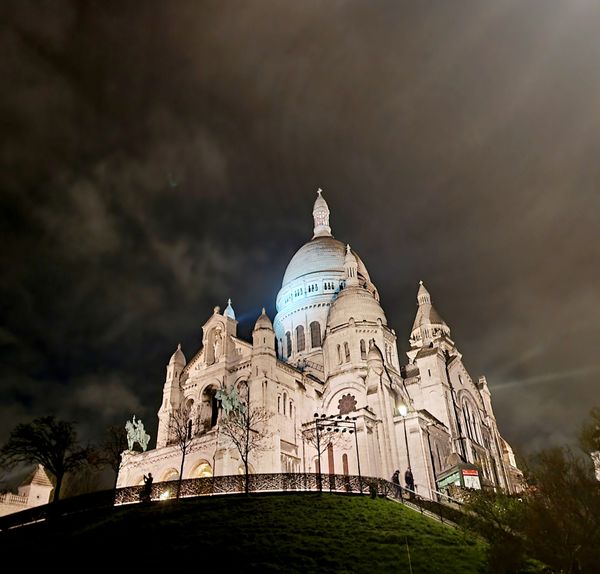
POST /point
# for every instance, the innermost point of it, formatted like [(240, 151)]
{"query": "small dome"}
[(229, 312), (355, 302), (374, 355), (263, 322), (426, 313), (321, 255), (178, 358)]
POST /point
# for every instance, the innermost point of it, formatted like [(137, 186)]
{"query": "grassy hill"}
[(276, 533)]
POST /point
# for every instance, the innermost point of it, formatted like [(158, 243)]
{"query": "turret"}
[(321, 216), (263, 353), (486, 396), (375, 359), (263, 336), (176, 364), (229, 312), (171, 395), (428, 324), (351, 268)]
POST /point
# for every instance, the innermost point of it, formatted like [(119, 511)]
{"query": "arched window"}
[(300, 341), (347, 352), (201, 470), (288, 344), (345, 464), (291, 408), (284, 401), (330, 459), (214, 415), (315, 334), (363, 350), (339, 351), (189, 429), (279, 404)]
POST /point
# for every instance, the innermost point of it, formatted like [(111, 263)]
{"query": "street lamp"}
[(403, 410), (336, 423)]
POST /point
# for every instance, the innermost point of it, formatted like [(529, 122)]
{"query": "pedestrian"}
[(396, 481), (410, 481), (147, 491)]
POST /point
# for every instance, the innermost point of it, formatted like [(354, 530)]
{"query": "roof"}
[(320, 255), (355, 302), (39, 477), (427, 351), (426, 314), (263, 321), (178, 356)]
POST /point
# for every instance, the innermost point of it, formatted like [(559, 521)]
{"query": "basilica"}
[(329, 351)]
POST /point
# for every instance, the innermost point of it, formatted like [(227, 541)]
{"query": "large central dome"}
[(313, 279), (321, 254)]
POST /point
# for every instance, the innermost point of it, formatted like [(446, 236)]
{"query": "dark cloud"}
[(158, 158)]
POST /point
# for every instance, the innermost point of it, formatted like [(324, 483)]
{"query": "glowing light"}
[(164, 495), (403, 410)]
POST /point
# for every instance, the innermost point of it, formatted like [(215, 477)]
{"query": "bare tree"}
[(181, 433), (49, 442), (111, 448), (246, 428)]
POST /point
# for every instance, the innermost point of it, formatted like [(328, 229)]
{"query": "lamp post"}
[(336, 423), (403, 410)]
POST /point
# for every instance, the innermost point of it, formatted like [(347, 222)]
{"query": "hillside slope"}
[(277, 533)]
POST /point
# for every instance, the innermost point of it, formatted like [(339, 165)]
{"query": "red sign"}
[(470, 472)]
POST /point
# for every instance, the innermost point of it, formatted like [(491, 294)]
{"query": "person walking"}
[(147, 491), (410, 481), (396, 481)]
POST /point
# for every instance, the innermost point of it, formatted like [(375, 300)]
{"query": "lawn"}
[(276, 533)]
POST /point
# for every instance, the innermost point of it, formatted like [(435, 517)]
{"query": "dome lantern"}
[(321, 217)]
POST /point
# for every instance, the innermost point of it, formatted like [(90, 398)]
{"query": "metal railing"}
[(233, 484)]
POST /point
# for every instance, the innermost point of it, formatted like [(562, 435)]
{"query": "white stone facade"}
[(331, 351)]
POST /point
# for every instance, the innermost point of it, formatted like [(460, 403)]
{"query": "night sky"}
[(160, 157)]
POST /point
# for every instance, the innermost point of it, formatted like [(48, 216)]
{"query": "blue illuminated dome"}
[(323, 254), (313, 278)]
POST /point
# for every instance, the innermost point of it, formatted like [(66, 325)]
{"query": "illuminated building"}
[(331, 351)]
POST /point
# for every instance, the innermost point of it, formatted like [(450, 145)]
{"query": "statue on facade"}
[(217, 344), (230, 401), (136, 433)]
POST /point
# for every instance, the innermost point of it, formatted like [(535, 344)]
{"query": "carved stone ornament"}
[(347, 404)]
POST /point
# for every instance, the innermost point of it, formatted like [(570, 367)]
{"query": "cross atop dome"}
[(321, 216)]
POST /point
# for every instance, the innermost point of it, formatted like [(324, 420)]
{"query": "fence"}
[(236, 484)]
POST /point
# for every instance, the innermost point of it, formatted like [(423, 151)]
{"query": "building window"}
[(291, 408), (300, 340), (189, 429), (288, 344), (315, 334), (347, 352), (345, 464), (214, 415), (339, 351), (279, 404), (363, 350), (284, 401)]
